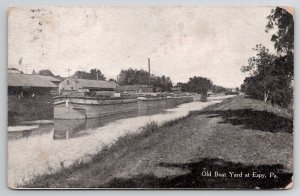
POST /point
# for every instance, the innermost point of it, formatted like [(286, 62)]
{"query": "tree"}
[(133, 76), (33, 72), (141, 77), (112, 80), (281, 20), (261, 68), (82, 75), (271, 74), (218, 89), (184, 87), (268, 77), (94, 74), (199, 85), (46, 72)]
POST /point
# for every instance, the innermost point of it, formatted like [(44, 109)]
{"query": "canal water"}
[(43, 148)]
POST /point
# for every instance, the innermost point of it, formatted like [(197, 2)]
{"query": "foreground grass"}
[(237, 135)]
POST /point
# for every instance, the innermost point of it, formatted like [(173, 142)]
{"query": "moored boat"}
[(68, 107), (84, 107)]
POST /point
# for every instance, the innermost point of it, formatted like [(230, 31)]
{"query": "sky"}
[(182, 42)]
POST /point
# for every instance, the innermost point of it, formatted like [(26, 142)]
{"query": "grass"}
[(27, 109), (238, 135)]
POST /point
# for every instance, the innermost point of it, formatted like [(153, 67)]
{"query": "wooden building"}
[(73, 84), (28, 84)]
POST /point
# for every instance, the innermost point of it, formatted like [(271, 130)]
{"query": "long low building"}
[(73, 84), (132, 89), (26, 84)]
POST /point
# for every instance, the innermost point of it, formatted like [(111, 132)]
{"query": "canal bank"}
[(28, 109), (237, 135)]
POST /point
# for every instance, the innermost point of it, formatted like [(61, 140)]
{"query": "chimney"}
[(149, 69)]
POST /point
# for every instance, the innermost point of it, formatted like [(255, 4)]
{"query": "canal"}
[(45, 146)]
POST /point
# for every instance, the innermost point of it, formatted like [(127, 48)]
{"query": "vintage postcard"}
[(150, 97)]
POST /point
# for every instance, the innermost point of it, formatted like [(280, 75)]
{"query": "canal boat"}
[(83, 107)]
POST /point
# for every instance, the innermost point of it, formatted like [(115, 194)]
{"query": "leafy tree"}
[(133, 76), (271, 74), (141, 77), (281, 20), (112, 80), (184, 86), (82, 74), (45, 72), (199, 85), (94, 74), (261, 68), (218, 89), (33, 72)]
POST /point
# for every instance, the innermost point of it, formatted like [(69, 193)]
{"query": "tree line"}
[(271, 75), (197, 84), (139, 76)]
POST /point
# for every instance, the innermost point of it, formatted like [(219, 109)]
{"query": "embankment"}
[(27, 109)]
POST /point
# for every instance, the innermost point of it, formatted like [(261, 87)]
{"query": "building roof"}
[(29, 80), (133, 87), (83, 83), (51, 78), (13, 70)]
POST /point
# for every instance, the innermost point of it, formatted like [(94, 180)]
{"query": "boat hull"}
[(85, 108), (77, 108)]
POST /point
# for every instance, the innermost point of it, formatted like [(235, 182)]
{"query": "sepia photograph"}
[(150, 97)]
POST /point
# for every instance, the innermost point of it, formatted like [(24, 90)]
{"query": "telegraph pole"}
[(69, 72)]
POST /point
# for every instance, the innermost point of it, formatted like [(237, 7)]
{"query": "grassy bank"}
[(27, 109), (237, 135)]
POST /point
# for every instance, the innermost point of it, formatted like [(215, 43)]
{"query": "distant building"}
[(158, 89), (210, 92), (132, 89), (233, 90), (82, 85), (28, 84), (176, 89)]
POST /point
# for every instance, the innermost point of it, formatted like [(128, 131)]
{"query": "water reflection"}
[(42, 129), (65, 129)]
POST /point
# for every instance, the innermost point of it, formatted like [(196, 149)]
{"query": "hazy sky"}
[(181, 42)]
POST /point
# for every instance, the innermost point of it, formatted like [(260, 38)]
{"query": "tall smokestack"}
[(149, 69)]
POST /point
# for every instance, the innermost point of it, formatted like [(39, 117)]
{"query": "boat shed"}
[(83, 85), (28, 84)]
